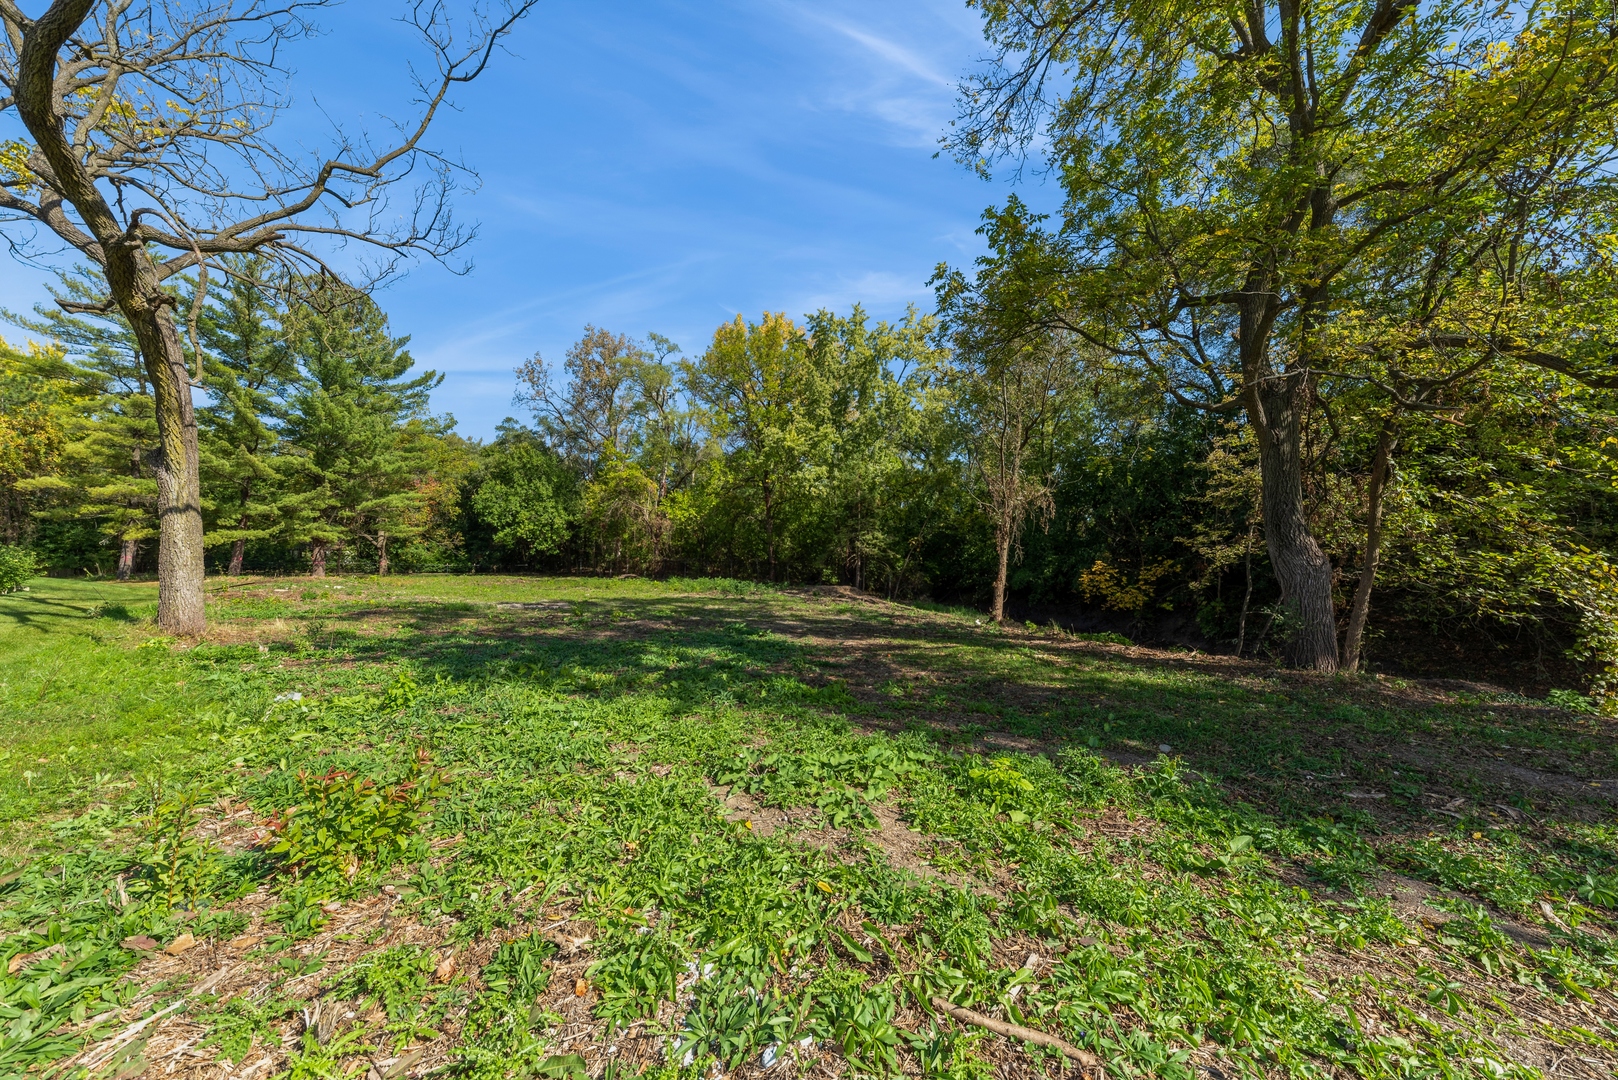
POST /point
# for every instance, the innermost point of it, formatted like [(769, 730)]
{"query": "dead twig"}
[(99, 1053), (1017, 1031)]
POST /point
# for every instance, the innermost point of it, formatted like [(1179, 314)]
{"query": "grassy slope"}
[(698, 816)]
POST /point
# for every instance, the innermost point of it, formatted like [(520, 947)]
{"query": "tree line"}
[(898, 458), (1319, 343)]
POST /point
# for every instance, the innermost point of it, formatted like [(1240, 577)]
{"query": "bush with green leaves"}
[(175, 864), (17, 565), (346, 821)]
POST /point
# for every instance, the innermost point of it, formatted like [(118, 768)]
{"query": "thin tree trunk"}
[(238, 550), (133, 280), (1247, 594), (381, 553), (769, 526), (1002, 550), (1360, 610), (317, 559), (127, 549)]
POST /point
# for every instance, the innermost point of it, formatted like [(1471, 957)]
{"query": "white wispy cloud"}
[(883, 292), (891, 51)]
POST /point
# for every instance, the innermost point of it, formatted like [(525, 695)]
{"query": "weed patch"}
[(438, 836)]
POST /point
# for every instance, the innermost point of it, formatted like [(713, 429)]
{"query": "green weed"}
[(236, 1025), (1171, 905), (346, 820), (174, 864)]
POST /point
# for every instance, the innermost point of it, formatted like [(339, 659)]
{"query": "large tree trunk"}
[(1275, 409), (1360, 610), (136, 290), (126, 559), (317, 559), (381, 554), (180, 569)]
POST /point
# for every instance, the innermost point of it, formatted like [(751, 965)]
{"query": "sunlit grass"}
[(837, 811)]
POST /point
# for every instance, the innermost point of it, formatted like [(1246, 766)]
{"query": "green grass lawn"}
[(511, 827)]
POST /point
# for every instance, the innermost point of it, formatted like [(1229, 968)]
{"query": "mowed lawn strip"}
[(519, 826)]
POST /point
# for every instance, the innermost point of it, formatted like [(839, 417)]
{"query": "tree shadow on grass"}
[(1394, 761), (1397, 766), (1388, 756)]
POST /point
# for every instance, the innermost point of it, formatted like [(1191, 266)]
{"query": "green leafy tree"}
[(104, 475), (1233, 175), (859, 421), (748, 384), (618, 419), (524, 495), (623, 514), (1009, 403), (39, 392)]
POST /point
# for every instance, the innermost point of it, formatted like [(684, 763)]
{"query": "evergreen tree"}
[(38, 391), (104, 474), (248, 372), (357, 431)]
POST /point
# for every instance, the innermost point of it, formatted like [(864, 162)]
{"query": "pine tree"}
[(38, 391), (249, 371), (104, 473), (357, 431)]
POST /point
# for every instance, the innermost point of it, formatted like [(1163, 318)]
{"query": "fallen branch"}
[(1017, 1031)]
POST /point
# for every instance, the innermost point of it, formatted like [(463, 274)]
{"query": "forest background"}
[(1246, 375), (827, 451)]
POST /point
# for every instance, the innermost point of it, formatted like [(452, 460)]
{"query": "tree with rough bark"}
[(146, 144), (1232, 171)]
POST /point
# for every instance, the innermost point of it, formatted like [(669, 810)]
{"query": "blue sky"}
[(662, 165)]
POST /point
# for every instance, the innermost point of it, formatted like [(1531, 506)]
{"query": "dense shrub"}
[(17, 565)]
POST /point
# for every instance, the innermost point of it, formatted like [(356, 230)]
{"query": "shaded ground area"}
[(691, 823)]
